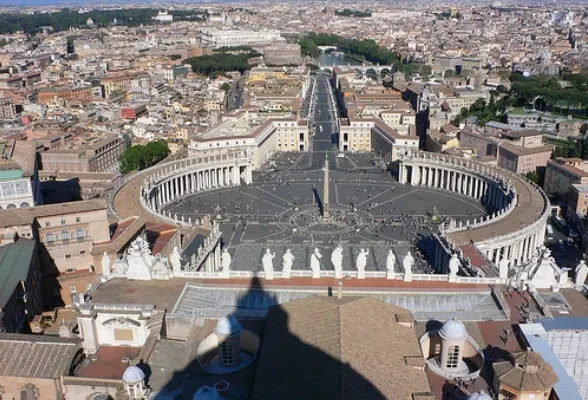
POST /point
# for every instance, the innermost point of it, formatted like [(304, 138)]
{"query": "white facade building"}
[(220, 38)]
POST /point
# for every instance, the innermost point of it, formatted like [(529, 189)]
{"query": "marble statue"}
[(503, 268), (407, 263), (267, 262), (160, 269), (225, 261), (453, 267), (581, 273), (175, 259), (193, 262), (337, 261), (287, 262), (361, 262), (105, 264), (390, 261), (315, 263)]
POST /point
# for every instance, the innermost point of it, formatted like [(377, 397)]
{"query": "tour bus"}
[(550, 233)]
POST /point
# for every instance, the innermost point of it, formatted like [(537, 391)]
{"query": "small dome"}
[(479, 396), (228, 326), (207, 393), (133, 374), (453, 330)]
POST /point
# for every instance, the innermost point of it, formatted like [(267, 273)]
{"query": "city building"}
[(7, 108), (374, 135), (20, 294), (523, 159), (578, 199), (562, 173), (94, 154), (19, 178), (253, 134), (67, 234), (231, 38), (59, 94), (35, 364)]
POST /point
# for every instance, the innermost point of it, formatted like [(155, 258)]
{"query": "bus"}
[(550, 233)]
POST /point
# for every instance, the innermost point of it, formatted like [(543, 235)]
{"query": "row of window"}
[(14, 189), (66, 235), (63, 222)]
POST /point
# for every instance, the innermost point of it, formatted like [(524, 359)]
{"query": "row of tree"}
[(365, 49), (143, 156), (346, 12), (568, 94), (66, 18), (218, 63), (493, 110)]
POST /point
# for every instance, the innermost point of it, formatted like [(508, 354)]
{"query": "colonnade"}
[(166, 186), (488, 185), (469, 184)]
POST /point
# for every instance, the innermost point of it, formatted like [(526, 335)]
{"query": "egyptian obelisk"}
[(326, 212)]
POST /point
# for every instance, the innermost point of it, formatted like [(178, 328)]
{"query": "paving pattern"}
[(281, 209)]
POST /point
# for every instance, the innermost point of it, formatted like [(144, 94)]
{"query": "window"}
[(82, 251), (65, 234), (78, 219), (452, 357), (227, 356), (67, 256), (80, 233), (49, 237), (73, 289), (21, 188), (62, 221)]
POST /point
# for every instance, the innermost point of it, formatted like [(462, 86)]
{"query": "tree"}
[(584, 129), (533, 176), (140, 157), (225, 86)]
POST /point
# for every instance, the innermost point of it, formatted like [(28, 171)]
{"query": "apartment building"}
[(19, 178), (66, 234), (374, 135), (95, 154), (7, 108), (258, 137), (20, 292), (58, 94), (232, 38), (562, 173)]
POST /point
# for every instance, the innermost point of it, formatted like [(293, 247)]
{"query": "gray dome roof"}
[(207, 393), (479, 396), (228, 326), (133, 374), (453, 330)]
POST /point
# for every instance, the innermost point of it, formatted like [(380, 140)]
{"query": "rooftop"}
[(15, 261), (36, 356), (338, 349), (26, 216)]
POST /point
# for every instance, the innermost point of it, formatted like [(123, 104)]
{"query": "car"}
[(341, 155), (560, 241)]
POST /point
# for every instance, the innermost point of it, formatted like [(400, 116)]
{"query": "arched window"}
[(10, 206), (24, 204), (65, 234), (452, 357), (48, 237), (29, 392), (80, 233)]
